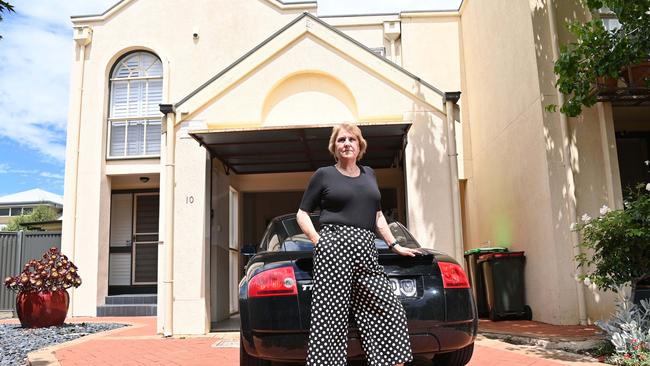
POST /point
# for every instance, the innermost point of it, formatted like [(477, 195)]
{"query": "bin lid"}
[(491, 256), (486, 250)]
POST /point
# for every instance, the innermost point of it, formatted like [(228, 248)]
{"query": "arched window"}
[(134, 116)]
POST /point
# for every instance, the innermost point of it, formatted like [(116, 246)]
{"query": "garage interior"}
[(261, 173)]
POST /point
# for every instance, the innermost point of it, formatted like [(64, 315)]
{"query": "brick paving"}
[(535, 329), (140, 345)]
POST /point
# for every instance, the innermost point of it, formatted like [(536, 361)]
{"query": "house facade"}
[(193, 123)]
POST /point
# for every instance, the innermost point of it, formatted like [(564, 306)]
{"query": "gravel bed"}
[(17, 342)]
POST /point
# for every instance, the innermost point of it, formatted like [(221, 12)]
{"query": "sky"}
[(35, 60)]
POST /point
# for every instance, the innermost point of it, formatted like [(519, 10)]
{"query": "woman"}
[(346, 271)]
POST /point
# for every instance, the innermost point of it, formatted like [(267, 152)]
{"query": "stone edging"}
[(575, 346)]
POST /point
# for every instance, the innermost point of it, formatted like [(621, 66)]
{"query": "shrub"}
[(617, 243), (629, 331), (53, 272)]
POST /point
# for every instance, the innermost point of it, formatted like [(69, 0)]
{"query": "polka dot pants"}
[(347, 276)]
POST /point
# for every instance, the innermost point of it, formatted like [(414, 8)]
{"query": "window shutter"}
[(134, 113), (119, 269), (119, 99), (121, 220), (135, 138), (154, 97), (153, 138), (118, 132), (136, 98)]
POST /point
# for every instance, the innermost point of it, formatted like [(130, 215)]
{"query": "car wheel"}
[(247, 360), (456, 358)]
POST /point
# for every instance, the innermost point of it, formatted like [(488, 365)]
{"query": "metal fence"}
[(16, 248)]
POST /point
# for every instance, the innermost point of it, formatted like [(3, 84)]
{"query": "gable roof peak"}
[(316, 31)]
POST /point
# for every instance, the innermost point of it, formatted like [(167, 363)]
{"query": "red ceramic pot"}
[(42, 309)]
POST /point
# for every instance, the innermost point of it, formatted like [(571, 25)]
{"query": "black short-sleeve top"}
[(343, 200)]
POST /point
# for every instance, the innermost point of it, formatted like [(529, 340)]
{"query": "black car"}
[(275, 298)]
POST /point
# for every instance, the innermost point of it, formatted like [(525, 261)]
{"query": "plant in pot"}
[(616, 246), (598, 56), (42, 299)]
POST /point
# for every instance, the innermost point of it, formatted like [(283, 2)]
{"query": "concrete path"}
[(140, 345)]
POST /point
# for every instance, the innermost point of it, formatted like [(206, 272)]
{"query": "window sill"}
[(138, 157)]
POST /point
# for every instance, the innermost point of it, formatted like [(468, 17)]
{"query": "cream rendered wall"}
[(370, 35), (141, 25), (510, 197), (592, 144), (92, 196), (592, 191), (192, 196), (519, 191), (430, 50), (428, 195), (189, 62), (375, 98), (369, 30)]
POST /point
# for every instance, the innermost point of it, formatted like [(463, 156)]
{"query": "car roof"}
[(291, 215)]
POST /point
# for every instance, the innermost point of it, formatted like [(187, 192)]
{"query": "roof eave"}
[(76, 19)]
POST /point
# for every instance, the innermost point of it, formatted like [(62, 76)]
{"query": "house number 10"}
[(189, 200)]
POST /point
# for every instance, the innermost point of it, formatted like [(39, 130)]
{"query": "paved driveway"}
[(140, 345)]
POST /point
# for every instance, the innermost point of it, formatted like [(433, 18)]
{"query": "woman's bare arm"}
[(383, 229), (307, 227), (384, 232)]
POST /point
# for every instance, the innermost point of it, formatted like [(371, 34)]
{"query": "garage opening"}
[(258, 174)]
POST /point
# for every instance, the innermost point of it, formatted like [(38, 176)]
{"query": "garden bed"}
[(16, 342)]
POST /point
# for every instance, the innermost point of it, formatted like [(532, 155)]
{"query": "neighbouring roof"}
[(32, 196)]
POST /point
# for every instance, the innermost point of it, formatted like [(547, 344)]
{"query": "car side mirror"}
[(248, 250)]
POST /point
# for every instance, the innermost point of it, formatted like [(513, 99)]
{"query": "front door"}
[(133, 258), (145, 239)]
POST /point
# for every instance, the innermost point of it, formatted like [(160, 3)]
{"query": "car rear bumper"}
[(426, 340)]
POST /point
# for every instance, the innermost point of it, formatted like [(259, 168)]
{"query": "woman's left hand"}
[(405, 251)]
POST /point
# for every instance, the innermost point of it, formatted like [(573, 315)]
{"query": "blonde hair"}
[(353, 129)]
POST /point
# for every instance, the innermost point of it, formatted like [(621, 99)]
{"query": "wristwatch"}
[(392, 245)]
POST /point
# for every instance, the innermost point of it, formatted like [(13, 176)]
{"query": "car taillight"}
[(453, 275), (274, 282)]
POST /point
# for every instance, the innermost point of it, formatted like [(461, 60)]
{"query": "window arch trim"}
[(134, 118)]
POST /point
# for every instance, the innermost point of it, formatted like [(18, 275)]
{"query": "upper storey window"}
[(134, 116)]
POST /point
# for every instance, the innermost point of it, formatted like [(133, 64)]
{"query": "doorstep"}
[(572, 338)]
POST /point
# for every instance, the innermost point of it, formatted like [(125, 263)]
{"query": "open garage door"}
[(298, 148), (270, 168)]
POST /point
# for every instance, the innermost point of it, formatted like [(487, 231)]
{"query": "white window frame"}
[(233, 249), (148, 120)]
